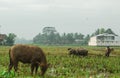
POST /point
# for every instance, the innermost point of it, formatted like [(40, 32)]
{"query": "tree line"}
[(67, 38), (7, 39), (54, 38)]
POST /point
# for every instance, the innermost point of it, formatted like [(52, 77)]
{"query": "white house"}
[(104, 40)]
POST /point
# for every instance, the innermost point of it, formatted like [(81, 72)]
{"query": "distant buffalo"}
[(79, 51), (28, 54)]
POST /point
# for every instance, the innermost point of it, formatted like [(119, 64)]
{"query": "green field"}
[(95, 65)]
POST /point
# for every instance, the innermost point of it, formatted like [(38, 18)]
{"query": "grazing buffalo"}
[(79, 51), (28, 54)]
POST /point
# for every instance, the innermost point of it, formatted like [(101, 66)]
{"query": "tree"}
[(57, 38), (63, 38), (37, 38), (49, 30), (102, 30), (10, 39), (99, 31), (51, 38), (70, 38), (41, 39), (86, 39)]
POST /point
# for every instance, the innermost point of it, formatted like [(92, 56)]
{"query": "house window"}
[(113, 38)]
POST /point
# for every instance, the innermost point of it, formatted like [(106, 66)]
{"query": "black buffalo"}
[(79, 51)]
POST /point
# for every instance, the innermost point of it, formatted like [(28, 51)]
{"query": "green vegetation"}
[(95, 65), (10, 39), (7, 39), (51, 37)]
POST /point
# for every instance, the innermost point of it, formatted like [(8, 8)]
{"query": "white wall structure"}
[(104, 40)]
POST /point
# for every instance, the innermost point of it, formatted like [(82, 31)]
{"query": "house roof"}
[(106, 34)]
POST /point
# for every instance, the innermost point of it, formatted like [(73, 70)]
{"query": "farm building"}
[(104, 40)]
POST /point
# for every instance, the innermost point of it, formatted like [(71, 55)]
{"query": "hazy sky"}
[(27, 18)]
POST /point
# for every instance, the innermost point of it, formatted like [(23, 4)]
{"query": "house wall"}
[(93, 41)]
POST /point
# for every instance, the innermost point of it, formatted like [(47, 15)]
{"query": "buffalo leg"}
[(10, 66), (32, 68), (36, 69), (15, 66)]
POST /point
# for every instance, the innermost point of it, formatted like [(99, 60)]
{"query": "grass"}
[(95, 65)]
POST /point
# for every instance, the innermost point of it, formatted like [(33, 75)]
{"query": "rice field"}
[(62, 65)]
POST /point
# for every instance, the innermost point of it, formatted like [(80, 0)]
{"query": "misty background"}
[(27, 18)]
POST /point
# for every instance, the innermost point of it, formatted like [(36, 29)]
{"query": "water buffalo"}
[(28, 54), (79, 51)]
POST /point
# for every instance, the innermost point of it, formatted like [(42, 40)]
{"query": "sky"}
[(27, 18)]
